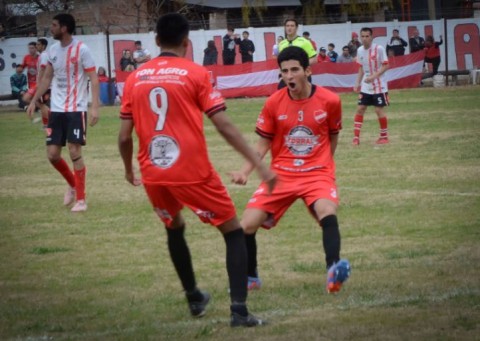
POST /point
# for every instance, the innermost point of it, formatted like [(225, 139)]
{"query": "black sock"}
[(331, 239), (237, 265), (251, 243), (182, 261)]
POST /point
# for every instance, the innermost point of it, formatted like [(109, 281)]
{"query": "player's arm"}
[(377, 74), (41, 89), (240, 177), (95, 97), (359, 79), (333, 143), (125, 146), (233, 136)]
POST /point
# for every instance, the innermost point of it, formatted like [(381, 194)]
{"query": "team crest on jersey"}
[(319, 116), (301, 140), (164, 151)]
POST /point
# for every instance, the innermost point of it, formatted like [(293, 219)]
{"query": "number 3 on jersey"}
[(159, 105)]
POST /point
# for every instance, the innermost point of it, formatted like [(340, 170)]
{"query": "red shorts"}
[(309, 188), (210, 201)]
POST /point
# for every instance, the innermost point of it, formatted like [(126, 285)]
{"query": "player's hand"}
[(130, 177), (369, 79), (94, 116), (238, 178), (355, 88), (31, 109)]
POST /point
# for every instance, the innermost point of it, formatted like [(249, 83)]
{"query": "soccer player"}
[(42, 61), (299, 125), (373, 86), (70, 62), (164, 101), (30, 64), (293, 39)]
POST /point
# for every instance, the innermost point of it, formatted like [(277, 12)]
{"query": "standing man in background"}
[(229, 42), (30, 64), (70, 63), (140, 55), (416, 42), (247, 48), (373, 86)]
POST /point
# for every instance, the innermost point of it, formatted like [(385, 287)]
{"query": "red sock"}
[(383, 127), (80, 182), (62, 167), (357, 126)]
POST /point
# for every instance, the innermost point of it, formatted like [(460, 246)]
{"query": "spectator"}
[(345, 57), (306, 35), (397, 44), (102, 75), (140, 55), (210, 54), (247, 48), (18, 83), (432, 52), (229, 41), (416, 42), (322, 55), (126, 62), (275, 50), (331, 53), (354, 44)]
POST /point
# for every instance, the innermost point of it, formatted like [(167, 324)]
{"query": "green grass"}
[(409, 218)]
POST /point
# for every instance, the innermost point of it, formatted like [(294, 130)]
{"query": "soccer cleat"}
[(237, 320), (69, 196), (356, 141), (80, 206), (382, 140), (337, 274), (254, 283), (197, 308)]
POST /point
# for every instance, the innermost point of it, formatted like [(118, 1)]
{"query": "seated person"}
[(18, 83), (126, 62)]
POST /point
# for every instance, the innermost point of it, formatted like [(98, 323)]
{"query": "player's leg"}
[(237, 274), (56, 138), (381, 101), (358, 121), (338, 270), (76, 137), (251, 220)]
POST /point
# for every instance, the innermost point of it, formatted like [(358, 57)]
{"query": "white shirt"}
[(69, 85), (140, 54), (372, 60)]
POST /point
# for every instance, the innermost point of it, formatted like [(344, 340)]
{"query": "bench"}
[(451, 73), (8, 97)]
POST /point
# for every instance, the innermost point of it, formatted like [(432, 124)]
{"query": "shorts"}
[(309, 188), (67, 126), (377, 100), (210, 201)]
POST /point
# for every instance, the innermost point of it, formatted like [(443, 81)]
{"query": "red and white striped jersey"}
[(69, 85), (372, 60)]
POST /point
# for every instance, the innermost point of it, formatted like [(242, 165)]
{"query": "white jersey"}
[(42, 63), (372, 60), (140, 54), (69, 84)]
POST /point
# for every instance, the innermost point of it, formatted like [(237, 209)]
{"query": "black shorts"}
[(67, 126), (377, 100)]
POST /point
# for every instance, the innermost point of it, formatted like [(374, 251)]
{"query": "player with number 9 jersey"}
[(172, 146)]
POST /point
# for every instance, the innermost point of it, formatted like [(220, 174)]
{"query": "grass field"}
[(409, 218)]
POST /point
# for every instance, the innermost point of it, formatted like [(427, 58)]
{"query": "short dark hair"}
[(346, 47), (67, 20), (294, 53), (246, 33), (395, 30), (306, 33), (43, 41), (138, 42), (172, 28), (367, 29), (332, 45), (290, 19), (32, 43)]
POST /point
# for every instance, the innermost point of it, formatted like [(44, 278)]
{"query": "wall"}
[(463, 40)]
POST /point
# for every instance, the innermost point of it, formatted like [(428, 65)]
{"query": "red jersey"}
[(166, 99), (300, 130), (30, 64)]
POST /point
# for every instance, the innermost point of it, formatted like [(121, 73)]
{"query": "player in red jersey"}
[(299, 125), (164, 100), (70, 66), (30, 64)]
